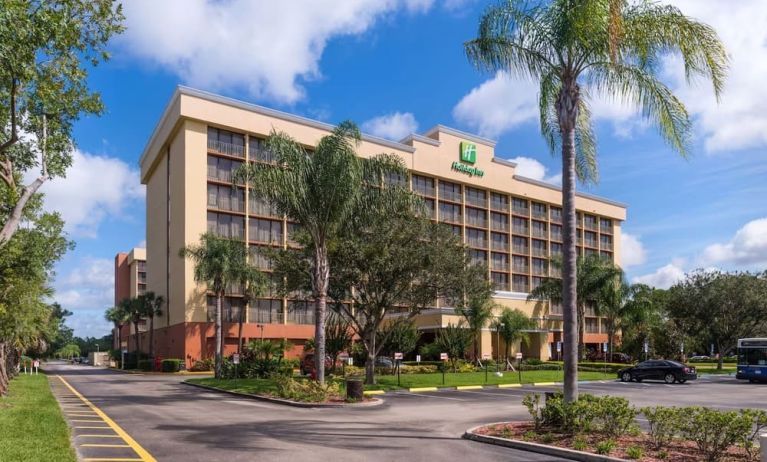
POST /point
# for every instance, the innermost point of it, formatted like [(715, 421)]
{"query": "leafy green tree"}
[(69, 351), (338, 337), (512, 325), (620, 303), (321, 191), (253, 283), (153, 304), (454, 340), (219, 263), (118, 317), (45, 50), (610, 47), (135, 310), (401, 336), (476, 306)]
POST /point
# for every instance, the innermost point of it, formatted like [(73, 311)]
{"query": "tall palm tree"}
[(152, 307), (117, 316), (252, 282), (134, 312), (511, 325), (477, 312), (218, 262), (320, 190), (613, 48), (621, 304), (593, 275)]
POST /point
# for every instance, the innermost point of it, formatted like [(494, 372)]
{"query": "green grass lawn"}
[(386, 382), (252, 386), (31, 424)]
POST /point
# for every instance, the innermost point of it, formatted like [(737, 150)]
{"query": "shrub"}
[(202, 365), (664, 424), (171, 365), (758, 420), (429, 352), (616, 415), (533, 362), (547, 438), (532, 401), (662, 455), (605, 447), (305, 390), (424, 369), (634, 452), (579, 444), (574, 417), (145, 364), (714, 431)]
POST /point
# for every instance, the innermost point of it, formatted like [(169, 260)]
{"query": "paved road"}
[(175, 422)]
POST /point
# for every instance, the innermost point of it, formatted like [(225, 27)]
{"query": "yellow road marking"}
[(422, 389), (373, 392), (543, 384), (142, 453), (93, 445), (469, 387), (509, 385)]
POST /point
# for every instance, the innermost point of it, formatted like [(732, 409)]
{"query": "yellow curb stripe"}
[(544, 384), (142, 453), (469, 387), (422, 389), (94, 445), (373, 392), (509, 385)]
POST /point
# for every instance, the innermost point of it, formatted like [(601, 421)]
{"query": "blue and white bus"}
[(752, 359)]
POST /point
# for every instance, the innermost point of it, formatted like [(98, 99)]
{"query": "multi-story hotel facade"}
[(510, 222), (130, 282)]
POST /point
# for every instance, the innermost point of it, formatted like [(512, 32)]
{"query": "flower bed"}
[(607, 426)]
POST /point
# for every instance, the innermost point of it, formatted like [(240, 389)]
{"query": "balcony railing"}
[(499, 206), (521, 269), (539, 271), (540, 232), (522, 230), (500, 245), (521, 249), (499, 225), (591, 243), (229, 149), (481, 243), (538, 252), (539, 214), (500, 266), (556, 217), (260, 154), (556, 237), (450, 196), (478, 222), (591, 225), (519, 210)]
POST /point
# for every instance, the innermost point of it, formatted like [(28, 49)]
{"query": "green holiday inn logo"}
[(468, 152), (468, 155)]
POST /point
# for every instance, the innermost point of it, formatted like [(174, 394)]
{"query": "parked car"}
[(615, 358), (699, 358), (307, 364), (656, 369)]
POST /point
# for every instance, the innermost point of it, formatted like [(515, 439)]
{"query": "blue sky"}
[(396, 67)]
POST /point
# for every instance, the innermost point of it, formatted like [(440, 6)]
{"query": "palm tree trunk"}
[(219, 334), (321, 276), (151, 337), (136, 341), (567, 107), (3, 372), (239, 331)]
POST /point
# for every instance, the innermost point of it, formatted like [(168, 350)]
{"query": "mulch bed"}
[(678, 450)]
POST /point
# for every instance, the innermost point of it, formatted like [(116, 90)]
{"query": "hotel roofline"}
[(399, 145)]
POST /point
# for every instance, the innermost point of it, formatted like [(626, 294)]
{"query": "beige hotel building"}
[(510, 222)]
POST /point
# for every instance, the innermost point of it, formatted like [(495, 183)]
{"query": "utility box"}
[(98, 358)]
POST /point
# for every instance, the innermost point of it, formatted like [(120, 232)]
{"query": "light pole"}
[(261, 326)]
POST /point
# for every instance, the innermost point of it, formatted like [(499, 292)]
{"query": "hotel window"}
[(579, 219), (226, 225), (499, 241), (539, 210), (449, 213), (300, 312), (539, 248), (230, 309), (450, 191), (476, 217), (535, 282), (476, 197), (590, 252), (520, 265), (540, 268), (499, 221), (226, 142), (606, 225), (499, 202), (257, 151), (265, 311), (519, 283), (590, 222), (423, 185), (520, 206), (605, 242), (293, 229), (226, 198), (499, 261), (521, 226), (429, 206), (476, 238), (556, 214), (395, 179), (478, 257), (592, 325), (140, 265), (590, 238), (500, 281), (456, 231), (606, 255), (556, 233), (520, 245), (265, 231), (260, 206), (221, 169), (539, 229), (556, 249), (259, 258)]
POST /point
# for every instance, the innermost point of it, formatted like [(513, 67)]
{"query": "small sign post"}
[(398, 359), (604, 351), (487, 357), (559, 351), (343, 357), (36, 365), (122, 358), (236, 362), (443, 358), (646, 349), (519, 366), (418, 358)]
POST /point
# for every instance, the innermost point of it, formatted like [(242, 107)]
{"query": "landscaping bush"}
[(305, 390), (615, 416), (423, 369), (532, 401), (714, 431), (145, 364), (131, 361), (532, 362), (429, 352), (605, 447), (664, 424), (571, 418), (436, 364), (171, 365), (541, 367), (758, 420), (202, 365), (634, 452)]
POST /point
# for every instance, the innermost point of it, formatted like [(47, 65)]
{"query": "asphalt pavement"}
[(171, 421)]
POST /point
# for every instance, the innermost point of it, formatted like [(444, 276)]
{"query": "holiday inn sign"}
[(468, 155)]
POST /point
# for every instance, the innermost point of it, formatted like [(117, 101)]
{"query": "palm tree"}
[(622, 303), (477, 312), (593, 275), (152, 307), (218, 262), (134, 312), (252, 282), (612, 47), (511, 325), (321, 190), (118, 317)]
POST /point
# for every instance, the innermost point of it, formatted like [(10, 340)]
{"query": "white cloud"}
[(632, 250), (664, 277), (267, 48), (748, 247), (92, 272), (95, 187), (394, 126), (531, 168), (87, 290), (498, 105)]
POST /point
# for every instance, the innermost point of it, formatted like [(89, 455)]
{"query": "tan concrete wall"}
[(156, 220)]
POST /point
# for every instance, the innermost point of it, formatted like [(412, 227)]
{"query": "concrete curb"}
[(536, 447), (285, 402), (417, 389), (167, 374)]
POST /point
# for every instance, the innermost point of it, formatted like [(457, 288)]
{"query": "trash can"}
[(354, 389)]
